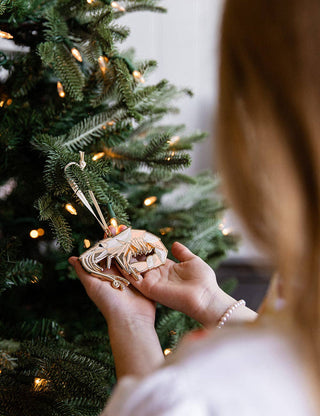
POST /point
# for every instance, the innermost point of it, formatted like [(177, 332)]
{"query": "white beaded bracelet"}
[(229, 312)]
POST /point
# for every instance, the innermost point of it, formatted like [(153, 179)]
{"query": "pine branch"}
[(21, 273), (92, 128)]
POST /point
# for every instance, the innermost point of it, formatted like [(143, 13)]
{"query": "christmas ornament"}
[(135, 251)]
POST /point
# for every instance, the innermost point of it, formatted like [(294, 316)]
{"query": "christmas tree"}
[(72, 88)]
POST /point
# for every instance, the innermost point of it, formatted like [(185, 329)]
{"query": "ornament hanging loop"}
[(98, 216)]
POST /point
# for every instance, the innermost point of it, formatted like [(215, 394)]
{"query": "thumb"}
[(181, 252)]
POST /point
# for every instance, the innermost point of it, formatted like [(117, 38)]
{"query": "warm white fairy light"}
[(98, 156), (9, 102), (171, 156), (5, 35), (114, 223), (226, 231), (117, 6), (150, 200), (2, 103), (90, 1), (71, 209), (39, 382), (138, 77), (86, 243), (34, 234), (167, 351), (111, 123), (103, 63), (60, 90), (40, 232), (173, 140), (165, 230), (76, 54)]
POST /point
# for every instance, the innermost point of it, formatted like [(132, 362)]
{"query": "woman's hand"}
[(115, 304), (189, 287), (130, 318)]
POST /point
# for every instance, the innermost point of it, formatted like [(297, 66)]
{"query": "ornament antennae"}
[(75, 187)]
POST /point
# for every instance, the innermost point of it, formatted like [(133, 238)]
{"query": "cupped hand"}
[(189, 286), (115, 304)]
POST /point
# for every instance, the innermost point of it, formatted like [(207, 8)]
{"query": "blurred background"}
[(185, 44)]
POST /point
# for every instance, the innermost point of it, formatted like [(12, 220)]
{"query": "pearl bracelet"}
[(229, 312)]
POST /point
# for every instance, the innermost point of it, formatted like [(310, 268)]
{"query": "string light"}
[(98, 156), (117, 6), (103, 63), (39, 382), (2, 103), (71, 209), (76, 54), (171, 156), (9, 102), (226, 231), (138, 77), (167, 351), (90, 1), (60, 90), (114, 223), (34, 234), (34, 279), (5, 35), (111, 123), (173, 140), (86, 243), (150, 200), (165, 230)]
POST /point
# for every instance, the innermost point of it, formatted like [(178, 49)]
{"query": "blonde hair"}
[(268, 142)]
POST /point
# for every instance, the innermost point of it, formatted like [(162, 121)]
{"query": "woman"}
[(268, 152)]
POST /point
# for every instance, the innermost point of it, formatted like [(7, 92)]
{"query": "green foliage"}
[(49, 330)]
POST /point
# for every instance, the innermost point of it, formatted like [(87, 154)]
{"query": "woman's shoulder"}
[(250, 371)]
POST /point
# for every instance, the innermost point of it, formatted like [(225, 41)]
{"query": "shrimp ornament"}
[(134, 251)]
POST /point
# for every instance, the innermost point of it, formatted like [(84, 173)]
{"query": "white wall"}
[(184, 43)]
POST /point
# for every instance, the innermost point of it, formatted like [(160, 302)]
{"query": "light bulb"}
[(71, 209), (9, 102), (86, 243), (171, 155), (138, 77), (117, 6), (165, 230), (76, 54), (103, 63), (149, 201), (167, 351), (60, 90), (5, 35), (114, 223), (98, 156), (90, 1), (226, 231), (111, 123), (34, 234), (40, 232), (39, 382), (173, 140)]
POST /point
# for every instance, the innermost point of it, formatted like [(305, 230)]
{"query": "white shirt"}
[(230, 372)]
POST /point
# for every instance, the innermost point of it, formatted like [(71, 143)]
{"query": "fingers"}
[(82, 274), (181, 252)]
